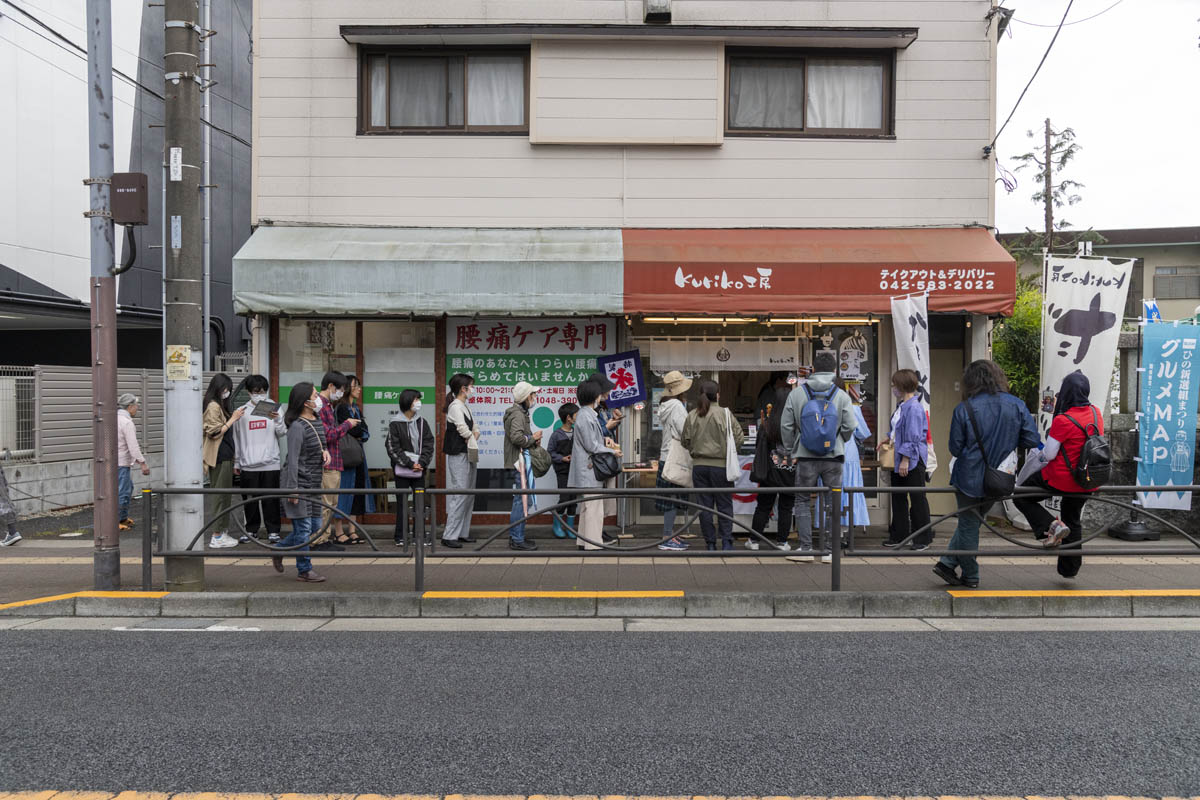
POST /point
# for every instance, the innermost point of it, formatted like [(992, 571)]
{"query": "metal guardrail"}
[(830, 532)]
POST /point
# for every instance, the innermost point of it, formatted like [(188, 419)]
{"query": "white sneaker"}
[(273, 538), (10, 539), (785, 547), (751, 544), (221, 540), (800, 559), (827, 559), (1058, 531)]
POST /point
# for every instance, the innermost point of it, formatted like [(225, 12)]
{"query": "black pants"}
[(714, 478), (565, 496), (762, 513), (270, 505), (402, 502), (1039, 519), (910, 510)]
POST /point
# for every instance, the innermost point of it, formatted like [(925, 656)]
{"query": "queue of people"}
[(807, 437)]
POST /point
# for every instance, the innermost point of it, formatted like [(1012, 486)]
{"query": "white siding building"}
[(432, 179)]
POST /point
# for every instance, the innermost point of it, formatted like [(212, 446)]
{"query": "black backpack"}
[(1094, 467)]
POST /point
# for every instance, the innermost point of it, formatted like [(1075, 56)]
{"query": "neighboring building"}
[(1168, 268), (44, 261), (512, 187)]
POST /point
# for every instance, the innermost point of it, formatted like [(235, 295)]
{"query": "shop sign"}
[(1081, 325), (1168, 419), (555, 355), (725, 354), (624, 370)]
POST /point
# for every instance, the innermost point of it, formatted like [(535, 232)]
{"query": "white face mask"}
[(416, 406), (225, 395), (337, 395), (318, 403), (257, 398)]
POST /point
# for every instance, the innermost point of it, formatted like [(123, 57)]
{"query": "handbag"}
[(677, 469), (733, 467), (540, 461), (352, 452), (996, 483), (887, 456), (409, 472), (606, 466)]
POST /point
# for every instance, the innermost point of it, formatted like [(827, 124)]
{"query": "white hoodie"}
[(256, 440)]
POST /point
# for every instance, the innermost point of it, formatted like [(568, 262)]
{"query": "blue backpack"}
[(819, 422)]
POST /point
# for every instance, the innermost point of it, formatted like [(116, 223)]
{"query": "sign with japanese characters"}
[(1082, 307), (553, 354), (910, 323), (1167, 428), (624, 370)]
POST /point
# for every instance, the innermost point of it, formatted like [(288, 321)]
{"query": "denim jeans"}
[(124, 492), (517, 532), (302, 529), (714, 478), (810, 474), (966, 535)]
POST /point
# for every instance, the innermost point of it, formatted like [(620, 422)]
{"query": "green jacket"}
[(518, 433), (705, 437)]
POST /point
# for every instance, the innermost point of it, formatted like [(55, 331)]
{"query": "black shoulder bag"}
[(996, 484)]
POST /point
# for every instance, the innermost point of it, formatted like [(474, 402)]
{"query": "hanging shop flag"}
[(555, 355), (910, 322), (1152, 312), (624, 370), (1167, 427), (1082, 307)]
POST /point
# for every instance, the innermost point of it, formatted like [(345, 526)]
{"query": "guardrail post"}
[(835, 537), (419, 524), (147, 532)]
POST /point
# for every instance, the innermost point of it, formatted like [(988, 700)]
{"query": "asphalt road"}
[(588, 713)]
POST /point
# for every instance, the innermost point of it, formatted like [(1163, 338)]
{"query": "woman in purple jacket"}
[(909, 434)]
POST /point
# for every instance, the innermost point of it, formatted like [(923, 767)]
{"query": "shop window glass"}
[(310, 348)]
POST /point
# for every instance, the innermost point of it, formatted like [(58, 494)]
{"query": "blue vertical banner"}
[(1168, 418)]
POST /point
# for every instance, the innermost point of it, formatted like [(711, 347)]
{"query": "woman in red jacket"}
[(1050, 468)]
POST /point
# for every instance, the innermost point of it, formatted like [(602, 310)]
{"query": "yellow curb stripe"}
[(1075, 593), (469, 595), (39, 600), (129, 795)]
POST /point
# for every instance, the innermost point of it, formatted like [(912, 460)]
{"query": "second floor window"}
[(798, 93), (445, 91)]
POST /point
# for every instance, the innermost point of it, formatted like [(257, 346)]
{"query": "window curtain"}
[(845, 93), (378, 72), (496, 90), (418, 92), (766, 93)]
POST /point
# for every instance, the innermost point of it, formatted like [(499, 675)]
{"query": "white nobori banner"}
[(1082, 308), (910, 322)]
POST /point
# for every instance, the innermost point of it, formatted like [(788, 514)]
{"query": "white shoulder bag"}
[(677, 469), (733, 468)]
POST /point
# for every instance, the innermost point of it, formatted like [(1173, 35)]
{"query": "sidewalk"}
[(48, 564)]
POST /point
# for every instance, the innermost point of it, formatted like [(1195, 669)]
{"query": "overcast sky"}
[(1128, 82)]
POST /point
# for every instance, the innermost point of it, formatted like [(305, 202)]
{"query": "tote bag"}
[(677, 469), (733, 468)]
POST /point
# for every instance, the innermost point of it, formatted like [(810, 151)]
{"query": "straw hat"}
[(675, 384)]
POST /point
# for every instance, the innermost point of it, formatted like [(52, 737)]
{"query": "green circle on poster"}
[(543, 417)]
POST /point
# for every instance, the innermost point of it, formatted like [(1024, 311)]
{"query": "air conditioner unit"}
[(656, 10)]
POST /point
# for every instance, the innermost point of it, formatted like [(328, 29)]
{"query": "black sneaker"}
[(329, 547), (971, 584), (891, 545), (522, 545), (947, 574), (453, 544), (919, 546), (604, 537), (466, 539)]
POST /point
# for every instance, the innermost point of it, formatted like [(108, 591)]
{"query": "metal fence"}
[(824, 538), (18, 414)]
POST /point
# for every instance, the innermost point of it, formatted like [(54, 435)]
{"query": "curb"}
[(628, 604)]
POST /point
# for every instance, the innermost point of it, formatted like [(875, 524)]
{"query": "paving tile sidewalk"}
[(46, 565)]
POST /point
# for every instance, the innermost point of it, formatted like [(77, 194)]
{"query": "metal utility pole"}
[(102, 287), (206, 133), (1047, 189), (183, 284)]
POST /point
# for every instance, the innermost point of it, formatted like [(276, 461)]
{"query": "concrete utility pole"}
[(183, 376), (1047, 188), (106, 559)]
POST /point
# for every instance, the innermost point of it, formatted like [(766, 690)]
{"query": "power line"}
[(1072, 22), (81, 52), (1035, 74)]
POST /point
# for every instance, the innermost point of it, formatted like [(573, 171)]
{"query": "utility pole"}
[(1048, 189), (183, 284), (106, 558)]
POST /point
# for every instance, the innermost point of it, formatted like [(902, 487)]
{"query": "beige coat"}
[(214, 429)]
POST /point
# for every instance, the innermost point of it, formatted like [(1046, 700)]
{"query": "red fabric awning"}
[(814, 271)]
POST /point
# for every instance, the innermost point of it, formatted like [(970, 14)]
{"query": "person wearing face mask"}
[(519, 438), (307, 459), (256, 459), (354, 461), (909, 436), (334, 387), (461, 446), (218, 453), (410, 447)]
